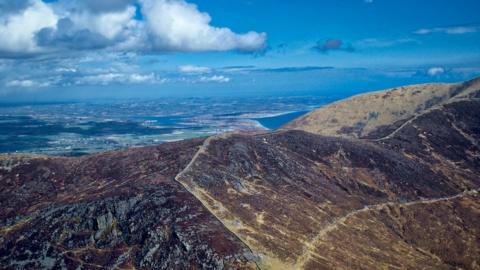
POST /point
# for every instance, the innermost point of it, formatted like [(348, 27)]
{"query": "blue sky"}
[(71, 49)]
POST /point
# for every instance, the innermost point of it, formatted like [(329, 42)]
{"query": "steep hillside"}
[(403, 196), (359, 115), (117, 210), (301, 200)]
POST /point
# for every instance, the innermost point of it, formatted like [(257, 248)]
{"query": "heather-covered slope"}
[(120, 209), (299, 200), (404, 195)]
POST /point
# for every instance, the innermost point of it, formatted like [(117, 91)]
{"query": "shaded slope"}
[(446, 139)]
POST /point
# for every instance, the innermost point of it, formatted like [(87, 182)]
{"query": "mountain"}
[(398, 191), (362, 114)]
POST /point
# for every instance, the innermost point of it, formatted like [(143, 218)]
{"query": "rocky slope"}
[(398, 193), (117, 210)]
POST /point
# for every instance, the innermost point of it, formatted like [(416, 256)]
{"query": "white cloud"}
[(215, 78), (194, 69), (101, 79), (110, 25), (20, 83), (81, 28), (111, 78), (453, 30), (17, 30), (26, 84), (142, 78), (434, 71), (167, 25), (66, 70), (179, 26)]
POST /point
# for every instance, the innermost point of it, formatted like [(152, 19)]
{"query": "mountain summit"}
[(382, 180)]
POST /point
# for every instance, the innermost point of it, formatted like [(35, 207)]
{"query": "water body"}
[(276, 122)]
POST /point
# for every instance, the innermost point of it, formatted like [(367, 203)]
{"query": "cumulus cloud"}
[(179, 26), (446, 73), (33, 26), (452, 30), (86, 30), (194, 69), (435, 71), (333, 45), (97, 42), (110, 24), (65, 36), (18, 29)]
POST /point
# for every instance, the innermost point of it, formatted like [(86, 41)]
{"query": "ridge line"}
[(202, 150), (417, 115)]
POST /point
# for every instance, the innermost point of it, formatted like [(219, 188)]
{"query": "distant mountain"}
[(399, 190)]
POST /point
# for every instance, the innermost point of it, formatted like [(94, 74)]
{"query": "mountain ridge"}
[(381, 108)]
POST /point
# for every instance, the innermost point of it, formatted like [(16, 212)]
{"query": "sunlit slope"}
[(360, 115)]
